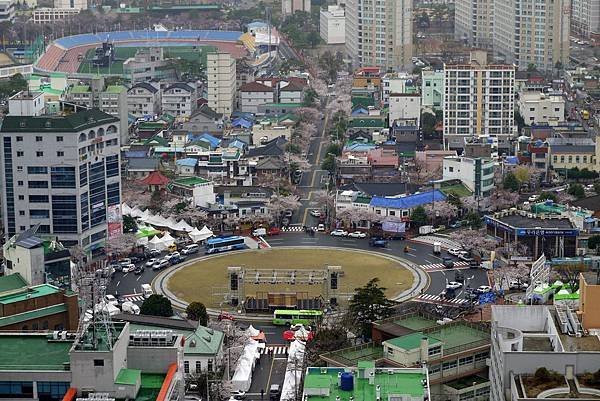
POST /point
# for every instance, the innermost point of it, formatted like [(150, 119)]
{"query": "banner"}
[(115, 221), (394, 226)]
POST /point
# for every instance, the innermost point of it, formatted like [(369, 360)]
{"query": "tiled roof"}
[(255, 87)]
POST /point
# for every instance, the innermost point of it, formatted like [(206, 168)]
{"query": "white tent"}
[(171, 223), (242, 377), (182, 225), (145, 215), (125, 209), (136, 212), (157, 221), (167, 240), (293, 371), (156, 243), (200, 235), (142, 241), (252, 331)]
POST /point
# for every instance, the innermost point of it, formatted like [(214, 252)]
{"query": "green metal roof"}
[(114, 89), (317, 381), (80, 89), (191, 181), (71, 123), (27, 293), (366, 364), (202, 341), (12, 282), (129, 376), (32, 352), (411, 341), (34, 314)]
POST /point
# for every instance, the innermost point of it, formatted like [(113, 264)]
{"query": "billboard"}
[(394, 226), (115, 221)]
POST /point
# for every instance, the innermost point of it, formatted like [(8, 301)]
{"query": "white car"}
[(454, 251), (357, 234), (339, 233), (453, 285), (171, 255), (129, 268), (315, 213), (321, 227), (483, 289), (533, 198), (150, 262), (111, 299), (517, 285)]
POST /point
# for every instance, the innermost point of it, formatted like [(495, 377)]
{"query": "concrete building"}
[(585, 17), (478, 101), (220, 72), (589, 296), (520, 39), (289, 7), (405, 106), (196, 189), (76, 4), (332, 25), (570, 155), (290, 92), (144, 99), (204, 120), (70, 191), (7, 11), (111, 99), (253, 95), (473, 22), (148, 64), (394, 82), (180, 99), (432, 90), (379, 33), (540, 108), (525, 338), (27, 103), (266, 130), (45, 15), (477, 174)]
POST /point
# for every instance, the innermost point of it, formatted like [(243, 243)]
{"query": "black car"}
[(139, 270), (459, 276), (448, 262)]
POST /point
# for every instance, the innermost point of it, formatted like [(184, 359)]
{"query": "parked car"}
[(111, 299), (172, 255), (151, 262), (154, 253), (321, 227), (139, 270), (459, 276), (315, 213), (533, 198), (160, 264), (483, 289), (357, 234), (454, 251), (339, 233), (518, 285), (190, 249), (465, 257), (456, 224), (129, 268), (116, 267), (176, 259), (455, 285), (274, 231), (125, 262)]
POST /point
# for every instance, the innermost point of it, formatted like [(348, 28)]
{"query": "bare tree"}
[(474, 241), (511, 272), (420, 175), (569, 274)]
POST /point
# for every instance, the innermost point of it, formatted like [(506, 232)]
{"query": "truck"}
[(146, 290), (425, 230), (437, 248)]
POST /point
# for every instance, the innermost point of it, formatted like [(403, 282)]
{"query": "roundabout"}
[(206, 280)]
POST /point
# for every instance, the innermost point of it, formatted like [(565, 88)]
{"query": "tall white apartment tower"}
[(220, 73), (473, 21), (478, 102), (532, 32), (585, 17), (379, 33)]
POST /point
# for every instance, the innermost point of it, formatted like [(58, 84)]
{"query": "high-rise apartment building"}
[(478, 102), (532, 32), (63, 174), (220, 72), (379, 33), (332, 25), (585, 17), (473, 21)]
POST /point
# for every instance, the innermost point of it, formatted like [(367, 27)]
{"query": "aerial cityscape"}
[(299, 200)]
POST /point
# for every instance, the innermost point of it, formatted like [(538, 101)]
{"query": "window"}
[(83, 178), (482, 356), (21, 212), (39, 154), (98, 362), (434, 369), (112, 166), (38, 199), (21, 197), (59, 139), (39, 214), (39, 139), (98, 236), (37, 184), (16, 389), (437, 350), (52, 391), (20, 169), (390, 351), (186, 367), (449, 365), (20, 153), (60, 153), (62, 177), (198, 366), (19, 139), (210, 365), (113, 195), (392, 212), (64, 213), (37, 170), (465, 361)]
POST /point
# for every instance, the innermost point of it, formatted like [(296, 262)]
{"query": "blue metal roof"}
[(408, 202), (189, 162), (131, 154), (242, 122)]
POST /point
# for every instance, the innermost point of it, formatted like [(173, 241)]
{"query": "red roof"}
[(155, 178), (255, 87)]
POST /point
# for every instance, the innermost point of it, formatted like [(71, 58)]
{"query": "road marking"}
[(118, 282), (139, 277), (428, 261), (270, 372), (125, 275), (433, 256)]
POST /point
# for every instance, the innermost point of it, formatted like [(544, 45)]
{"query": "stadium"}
[(70, 54)]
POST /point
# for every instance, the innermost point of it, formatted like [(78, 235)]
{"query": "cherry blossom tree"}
[(323, 200), (474, 241), (565, 198), (121, 244), (442, 209), (308, 114), (135, 194), (235, 339), (300, 162), (511, 272), (357, 214), (280, 203)]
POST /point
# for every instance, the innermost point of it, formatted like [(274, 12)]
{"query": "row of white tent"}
[(242, 377), (293, 371), (159, 221)]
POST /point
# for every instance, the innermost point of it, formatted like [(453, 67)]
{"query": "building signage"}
[(498, 224), (547, 232)]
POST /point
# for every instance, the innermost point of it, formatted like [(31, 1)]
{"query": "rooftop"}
[(24, 351), (411, 341), (28, 293), (71, 123), (191, 181), (402, 382), (12, 282), (518, 221), (151, 384), (468, 381), (86, 342), (128, 376)]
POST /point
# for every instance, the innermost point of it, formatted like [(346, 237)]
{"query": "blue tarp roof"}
[(408, 202), (359, 147), (359, 110), (242, 122), (237, 144), (133, 154), (214, 141), (189, 162), (511, 160)]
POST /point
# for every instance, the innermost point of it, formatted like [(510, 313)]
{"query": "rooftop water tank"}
[(347, 382)]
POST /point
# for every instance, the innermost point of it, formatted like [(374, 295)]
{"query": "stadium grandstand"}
[(66, 54)]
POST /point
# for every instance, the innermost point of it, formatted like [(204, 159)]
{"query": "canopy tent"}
[(157, 221), (200, 235), (146, 231), (242, 377), (136, 212), (142, 241), (125, 209), (171, 223), (156, 243), (167, 240), (293, 370), (182, 225), (145, 215), (252, 331)]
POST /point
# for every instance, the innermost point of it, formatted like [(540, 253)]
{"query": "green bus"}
[(282, 317)]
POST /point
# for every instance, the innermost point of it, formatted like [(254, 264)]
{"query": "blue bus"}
[(224, 244)]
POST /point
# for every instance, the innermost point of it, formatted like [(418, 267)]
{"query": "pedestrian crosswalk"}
[(293, 228), (440, 266), (438, 299), (134, 297), (275, 350)]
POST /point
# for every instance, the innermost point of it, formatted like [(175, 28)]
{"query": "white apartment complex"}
[(473, 21), (143, 99), (540, 108), (332, 24), (478, 101), (379, 33), (532, 32), (44, 15), (179, 99), (477, 174), (585, 17), (220, 72), (76, 4)]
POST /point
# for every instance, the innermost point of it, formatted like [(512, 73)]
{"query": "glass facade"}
[(52, 391), (97, 193), (16, 389), (64, 213), (62, 177)]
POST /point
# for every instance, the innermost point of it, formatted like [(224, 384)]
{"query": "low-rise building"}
[(148, 64), (290, 92), (199, 190), (144, 99), (571, 155), (179, 99), (432, 89), (46, 15), (477, 174), (401, 207), (204, 120), (405, 106), (7, 11), (266, 130), (332, 24), (289, 7), (541, 108), (254, 94)]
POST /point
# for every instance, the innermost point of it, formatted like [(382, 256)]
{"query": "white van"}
[(130, 307), (147, 290), (189, 249)]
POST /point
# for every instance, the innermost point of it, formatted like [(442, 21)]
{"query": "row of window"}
[(578, 159), (186, 366), (41, 138), (40, 153)]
